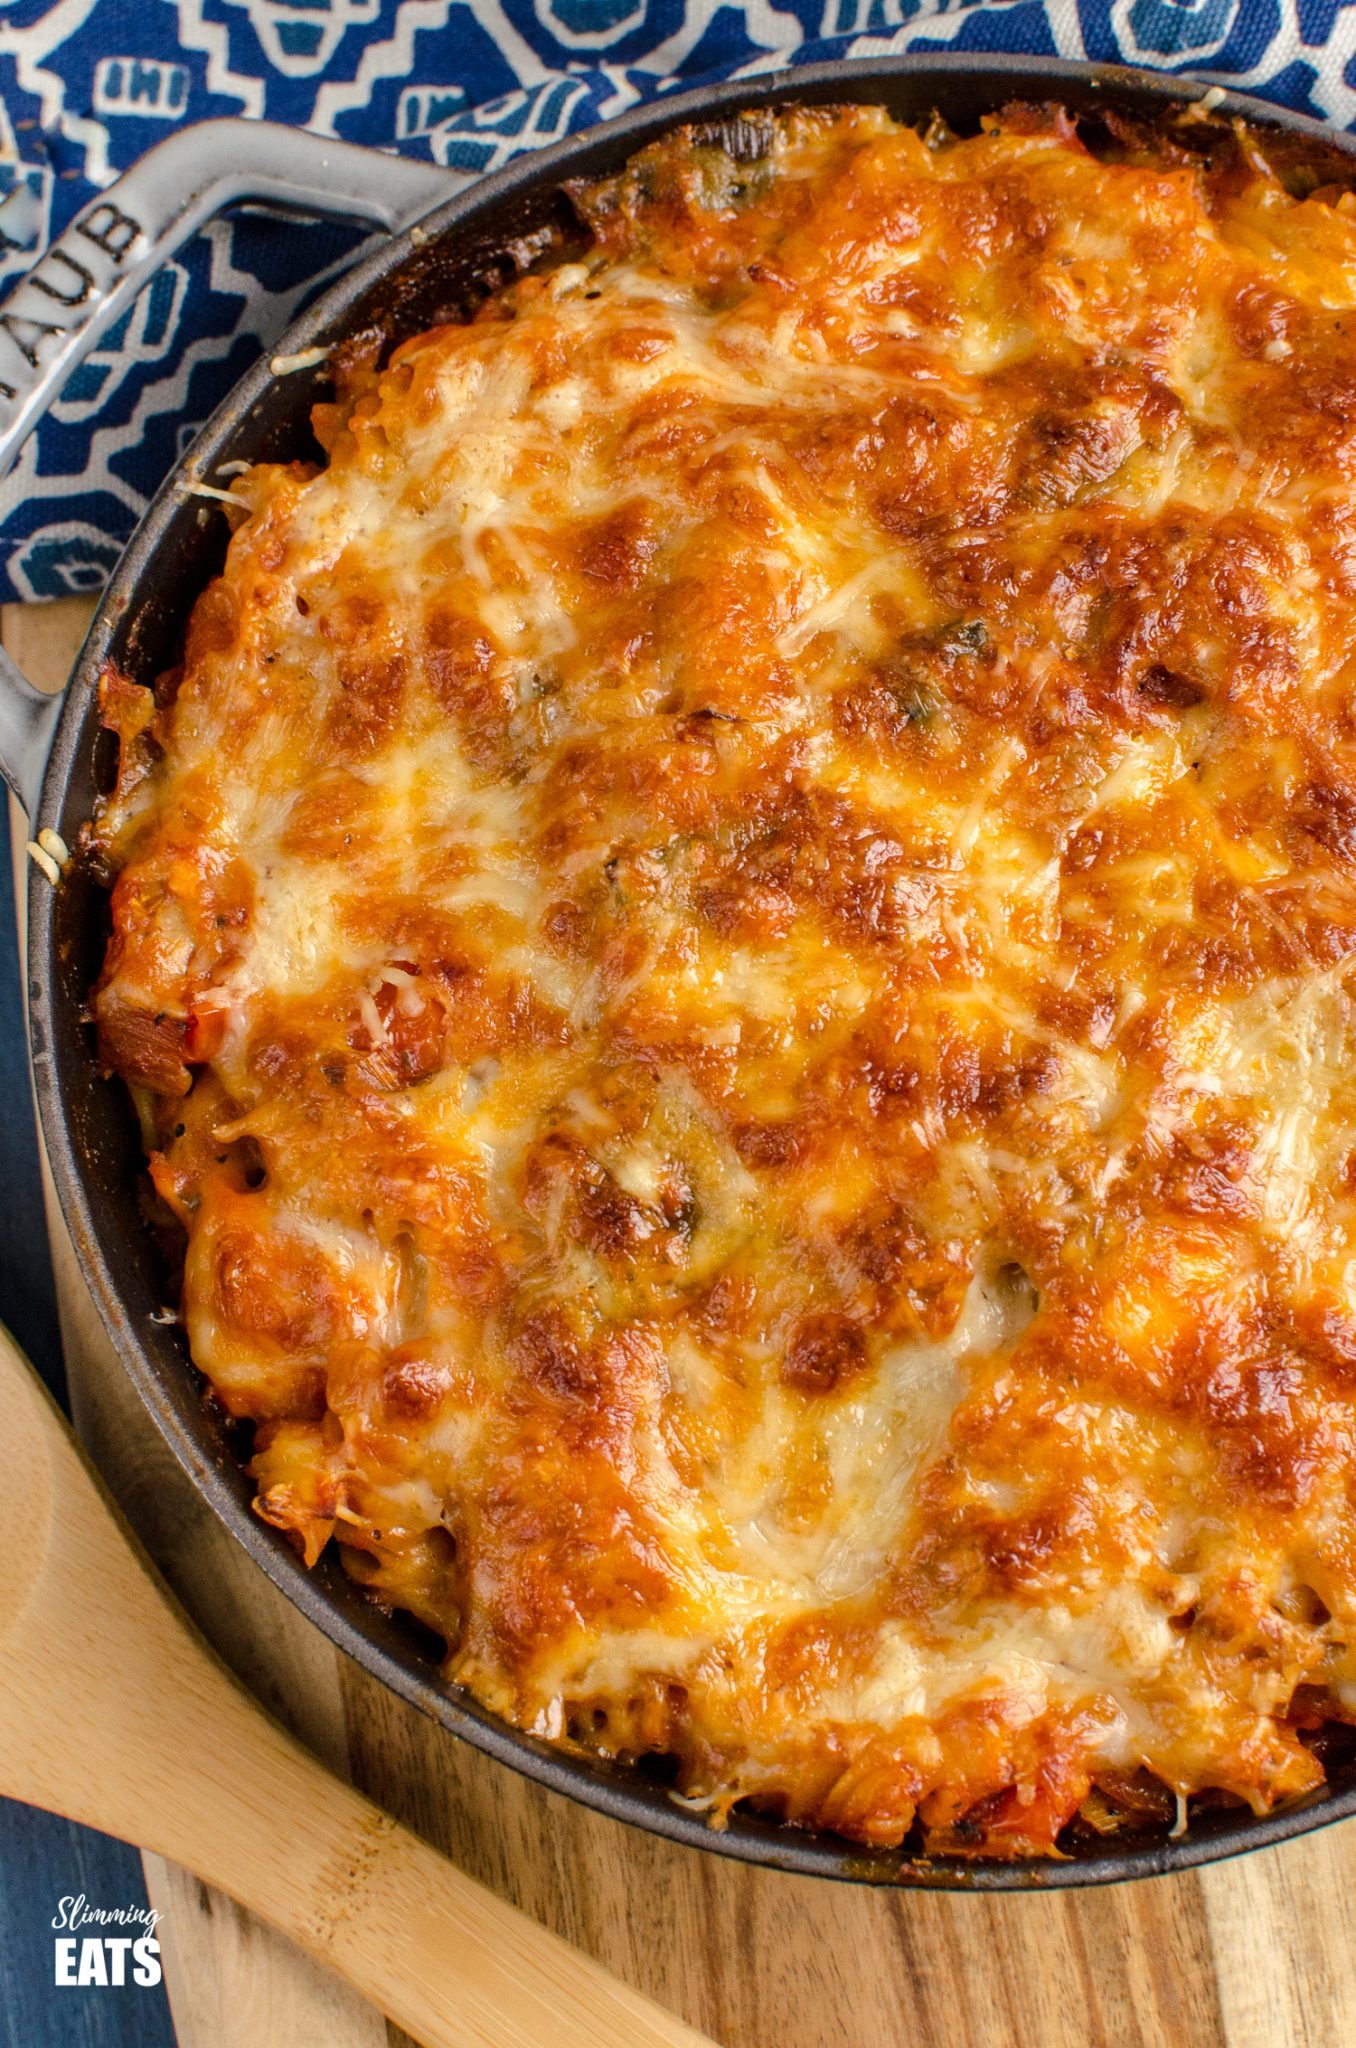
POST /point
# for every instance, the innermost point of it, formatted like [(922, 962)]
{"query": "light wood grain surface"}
[(1256, 1953)]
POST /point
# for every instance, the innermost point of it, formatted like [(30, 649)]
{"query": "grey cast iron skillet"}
[(55, 759)]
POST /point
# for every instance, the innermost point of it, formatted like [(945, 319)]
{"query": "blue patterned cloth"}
[(87, 85)]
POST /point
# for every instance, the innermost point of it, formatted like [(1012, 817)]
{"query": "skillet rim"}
[(155, 1359)]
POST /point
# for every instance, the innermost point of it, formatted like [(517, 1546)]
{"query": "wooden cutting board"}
[(1256, 1953)]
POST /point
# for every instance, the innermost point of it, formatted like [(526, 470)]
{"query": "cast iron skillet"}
[(412, 278)]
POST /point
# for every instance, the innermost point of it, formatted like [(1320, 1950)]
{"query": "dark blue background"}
[(43, 1859)]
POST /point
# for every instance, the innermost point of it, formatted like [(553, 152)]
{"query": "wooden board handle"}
[(115, 1713)]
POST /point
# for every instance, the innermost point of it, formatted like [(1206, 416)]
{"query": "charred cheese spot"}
[(734, 944), (823, 1350), (413, 1385)]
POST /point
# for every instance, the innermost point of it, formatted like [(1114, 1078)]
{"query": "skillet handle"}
[(90, 275)]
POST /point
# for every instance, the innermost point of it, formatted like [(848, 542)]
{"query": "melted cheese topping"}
[(736, 946)]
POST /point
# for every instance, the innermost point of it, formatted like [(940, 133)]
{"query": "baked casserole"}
[(735, 947)]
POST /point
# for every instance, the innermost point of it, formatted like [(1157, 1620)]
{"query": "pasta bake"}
[(735, 945)]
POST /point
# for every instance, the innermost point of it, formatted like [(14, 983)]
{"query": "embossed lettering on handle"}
[(80, 269)]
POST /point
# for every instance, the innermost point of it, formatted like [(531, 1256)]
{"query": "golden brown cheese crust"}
[(736, 945)]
